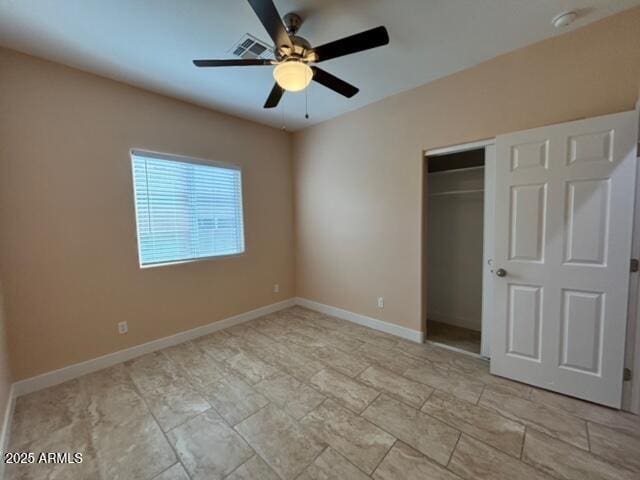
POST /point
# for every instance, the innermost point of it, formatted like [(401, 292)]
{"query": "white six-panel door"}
[(563, 215)]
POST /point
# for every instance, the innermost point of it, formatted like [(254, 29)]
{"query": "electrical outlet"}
[(276, 288), (123, 327), (380, 302)]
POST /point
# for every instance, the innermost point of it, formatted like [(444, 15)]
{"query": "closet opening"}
[(456, 248)]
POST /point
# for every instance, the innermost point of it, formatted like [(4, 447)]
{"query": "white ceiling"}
[(150, 43)]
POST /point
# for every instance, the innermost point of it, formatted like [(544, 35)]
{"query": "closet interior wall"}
[(454, 245)]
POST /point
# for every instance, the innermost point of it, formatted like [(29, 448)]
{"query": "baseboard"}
[(70, 372), (55, 377), (391, 328)]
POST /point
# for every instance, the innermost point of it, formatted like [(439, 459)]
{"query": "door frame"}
[(631, 389), (488, 231)]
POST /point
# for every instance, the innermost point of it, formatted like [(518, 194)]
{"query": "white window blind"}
[(186, 211)]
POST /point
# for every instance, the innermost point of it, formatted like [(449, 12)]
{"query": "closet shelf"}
[(456, 192), (457, 170)]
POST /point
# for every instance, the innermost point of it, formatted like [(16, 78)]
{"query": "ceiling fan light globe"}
[(293, 76)]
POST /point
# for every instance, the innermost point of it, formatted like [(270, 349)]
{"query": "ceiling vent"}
[(249, 47)]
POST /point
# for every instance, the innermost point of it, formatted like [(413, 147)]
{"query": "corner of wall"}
[(6, 387)]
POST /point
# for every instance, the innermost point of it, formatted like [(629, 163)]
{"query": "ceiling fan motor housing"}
[(301, 48), (300, 51)]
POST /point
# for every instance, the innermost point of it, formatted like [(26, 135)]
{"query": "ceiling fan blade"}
[(231, 63), (334, 83), (274, 96), (270, 18), (376, 37)]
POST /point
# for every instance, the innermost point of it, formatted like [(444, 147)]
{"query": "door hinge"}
[(635, 265), (626, 375)]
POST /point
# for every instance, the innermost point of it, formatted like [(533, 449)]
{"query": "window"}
[(186, 210)]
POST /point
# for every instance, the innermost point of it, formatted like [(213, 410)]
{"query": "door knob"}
[(501, 272)]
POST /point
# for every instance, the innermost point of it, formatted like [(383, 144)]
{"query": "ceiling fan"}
[(295, 57)]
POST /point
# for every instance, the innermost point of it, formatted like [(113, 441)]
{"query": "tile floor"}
[(297, 394), (453, 336)]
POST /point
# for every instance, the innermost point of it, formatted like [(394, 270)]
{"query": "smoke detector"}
[(564, 19)]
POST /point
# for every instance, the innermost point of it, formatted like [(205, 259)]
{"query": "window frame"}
[(193, 160)]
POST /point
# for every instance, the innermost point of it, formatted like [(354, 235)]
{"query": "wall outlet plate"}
[(380, 302), (123, 327), (276, 288)]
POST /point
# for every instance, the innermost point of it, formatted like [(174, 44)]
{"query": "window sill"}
[(193, 260)]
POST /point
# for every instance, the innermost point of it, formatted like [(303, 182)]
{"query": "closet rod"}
[(456, 192)]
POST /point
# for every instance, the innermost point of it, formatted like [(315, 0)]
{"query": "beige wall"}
[(68, 250), (358, 178)]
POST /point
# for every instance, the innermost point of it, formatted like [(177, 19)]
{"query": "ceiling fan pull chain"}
[(306, 103)]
